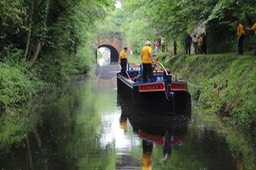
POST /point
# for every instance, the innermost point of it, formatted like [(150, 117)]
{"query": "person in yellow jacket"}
[(240, 35), (200, 44), (253, 28), (146, 58), (123, 61)]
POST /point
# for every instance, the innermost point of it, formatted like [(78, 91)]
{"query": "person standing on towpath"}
[(253, 28), (240, 35)]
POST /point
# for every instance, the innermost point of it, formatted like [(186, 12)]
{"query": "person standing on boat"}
[(146, 58), (123, 61)]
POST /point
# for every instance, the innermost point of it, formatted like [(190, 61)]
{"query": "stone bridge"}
[(107, 56), (114, 44)]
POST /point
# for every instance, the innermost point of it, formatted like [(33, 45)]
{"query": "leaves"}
[(175, 18)]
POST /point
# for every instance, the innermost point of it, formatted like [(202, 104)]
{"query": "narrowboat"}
[(164, 93)]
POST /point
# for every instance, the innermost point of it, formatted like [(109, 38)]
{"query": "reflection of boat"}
[(162, 94), (155, 127), (162, 130)]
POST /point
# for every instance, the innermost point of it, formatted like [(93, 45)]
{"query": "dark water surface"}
[(88, 126)]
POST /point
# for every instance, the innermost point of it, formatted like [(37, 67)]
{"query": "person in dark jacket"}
[(204, 45), (188, 42)]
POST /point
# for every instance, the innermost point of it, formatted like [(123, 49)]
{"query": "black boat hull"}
[(153, 101)]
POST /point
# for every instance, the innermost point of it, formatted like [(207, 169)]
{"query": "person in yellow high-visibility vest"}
[(253, 28), (200, 44), (146, 58), (240, 35), (123, 61)]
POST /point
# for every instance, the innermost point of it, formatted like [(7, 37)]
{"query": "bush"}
[(14, 85)]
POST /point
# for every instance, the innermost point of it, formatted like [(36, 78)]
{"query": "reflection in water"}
[(85, 126), (107, 75), (147, 146), (155, 131)]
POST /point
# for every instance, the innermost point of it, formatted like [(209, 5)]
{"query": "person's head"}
[(125, 48), (237, 22), (148, 43)]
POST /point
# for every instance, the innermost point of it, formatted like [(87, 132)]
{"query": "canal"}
[(86, 125)]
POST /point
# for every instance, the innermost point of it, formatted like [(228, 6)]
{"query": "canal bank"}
[(222, 84), (224, 93), (85, 125)]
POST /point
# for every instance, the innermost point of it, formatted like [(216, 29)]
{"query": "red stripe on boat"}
[(152, 87), (179, 86)]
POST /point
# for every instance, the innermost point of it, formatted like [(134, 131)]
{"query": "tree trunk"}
[(34, 57), (28, 41), (29, 153), (39, 143)]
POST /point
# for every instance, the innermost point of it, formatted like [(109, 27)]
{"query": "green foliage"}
[(64, 29), (11, 130), (172, 19), (222, 84), (14, 86), (11, 23)]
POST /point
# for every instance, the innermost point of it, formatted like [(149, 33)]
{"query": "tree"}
[(175, 18)]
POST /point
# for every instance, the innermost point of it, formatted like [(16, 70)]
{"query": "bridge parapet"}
[(115, 41)]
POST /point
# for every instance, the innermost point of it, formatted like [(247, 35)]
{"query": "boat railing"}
[(133, 66), (135, 71), (163, 67)]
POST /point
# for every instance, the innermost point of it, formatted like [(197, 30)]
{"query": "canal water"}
[(86, 125)]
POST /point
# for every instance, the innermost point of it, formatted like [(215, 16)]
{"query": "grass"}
[(222, 84)]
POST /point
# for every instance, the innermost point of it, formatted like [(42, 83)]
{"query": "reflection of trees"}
[(15, 136), (62, 133), (72, 128)]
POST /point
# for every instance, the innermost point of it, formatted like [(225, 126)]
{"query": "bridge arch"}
[(114, 54)]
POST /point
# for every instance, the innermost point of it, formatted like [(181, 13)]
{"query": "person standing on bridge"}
[(146, 58), (123, 61)]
